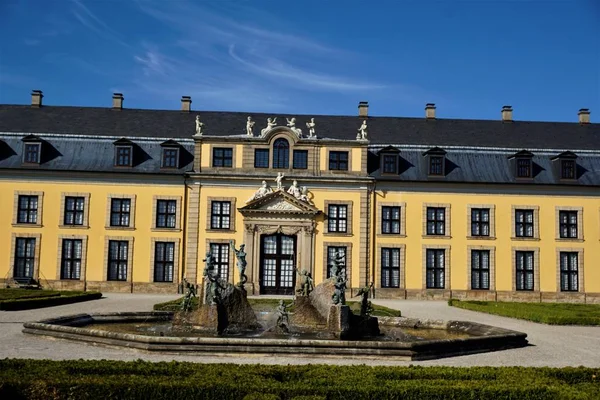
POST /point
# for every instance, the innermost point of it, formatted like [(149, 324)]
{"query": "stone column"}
[(251, 252)]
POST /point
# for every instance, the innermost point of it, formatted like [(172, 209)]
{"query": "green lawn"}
[(23, 299), (271, 304), (546, 313)]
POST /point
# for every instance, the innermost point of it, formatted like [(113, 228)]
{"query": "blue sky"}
[(309, 56)]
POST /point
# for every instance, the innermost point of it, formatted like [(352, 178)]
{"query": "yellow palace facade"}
[(130, 200)]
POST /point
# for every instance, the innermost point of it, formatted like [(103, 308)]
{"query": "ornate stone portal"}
[(278, 213)]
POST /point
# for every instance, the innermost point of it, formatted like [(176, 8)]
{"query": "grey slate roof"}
[(382, 130), (91, 155)]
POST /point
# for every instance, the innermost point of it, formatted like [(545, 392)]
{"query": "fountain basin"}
[(479, 338)]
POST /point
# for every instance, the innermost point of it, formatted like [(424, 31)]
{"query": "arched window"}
[(281, 154)]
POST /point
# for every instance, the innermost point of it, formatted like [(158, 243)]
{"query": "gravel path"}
[(553, 346)]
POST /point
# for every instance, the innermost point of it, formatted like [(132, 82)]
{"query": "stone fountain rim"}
[(485, 338)]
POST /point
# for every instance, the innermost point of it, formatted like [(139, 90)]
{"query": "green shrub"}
[(16, 293), (47, 301), (547, 313), (88, 379)]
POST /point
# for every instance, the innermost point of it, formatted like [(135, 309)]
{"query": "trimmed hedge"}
[(47, 301), (15, 293), (87, 379), (546, 313), (271, 304)]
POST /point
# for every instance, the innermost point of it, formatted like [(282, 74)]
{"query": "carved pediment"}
[(279, 202)]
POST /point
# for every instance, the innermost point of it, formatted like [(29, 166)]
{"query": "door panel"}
[(277, 262)]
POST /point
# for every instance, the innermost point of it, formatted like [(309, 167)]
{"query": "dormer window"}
[(123, 158), (390, 163), (523, 164), (170, 154), (123, 153), (32, 153), (32, 149), (566, 165), (436, 160)]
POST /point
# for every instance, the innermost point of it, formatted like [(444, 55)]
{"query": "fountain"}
[(321, 324)]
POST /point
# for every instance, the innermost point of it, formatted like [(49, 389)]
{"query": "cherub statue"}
[(186, 304), (304, 195), (271, 123), (307, 285), (339, 294), (294, 190), (337, 264), (279, 179), (261, 192), (283, 320), (291, 123), (311, 128), (249, 126), (213, 288), (366, 307), (362, 131), (199, 126), (240, 254), (209, 263)]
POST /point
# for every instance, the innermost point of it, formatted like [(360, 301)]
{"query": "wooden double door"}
[(277, 264)]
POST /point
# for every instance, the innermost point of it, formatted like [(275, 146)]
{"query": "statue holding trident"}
[(240, 254)]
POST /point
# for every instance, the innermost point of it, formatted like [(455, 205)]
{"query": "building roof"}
[(382, 130)]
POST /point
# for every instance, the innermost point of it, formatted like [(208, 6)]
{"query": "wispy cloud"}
[(91, 21)]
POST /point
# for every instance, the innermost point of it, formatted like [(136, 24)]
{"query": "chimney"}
[(36, 98), (118, 101), (584, 116), (186, 103), (363, 109), (507, 114), (429, 111)]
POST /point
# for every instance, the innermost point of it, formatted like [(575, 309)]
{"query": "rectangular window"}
[(70, 263), (220, 215), (74, 210), (117, 260), (436, 221), (334, 252), (390, 220), (338, 160), (524, 223), (164, 261), (436, 165), (337, 217), (390, 267), (24, 257), (32, 153), (123, 156), (222, 157), (166, 213), (300, 159), (120, 210), (524, 272), (170, 158), (220, 253), (569, 271), (568, 224), (523, 168), (567, 169), (27, 210), (480, 222), (435, 268), (261, 158), (390, 164), (480, 269)]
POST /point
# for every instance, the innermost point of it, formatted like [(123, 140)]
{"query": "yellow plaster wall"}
[(206, 155), (96, 232), (356, 160), (460, 258)]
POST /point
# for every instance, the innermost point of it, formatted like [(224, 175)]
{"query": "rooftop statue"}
[(279, 180), (304, 195), (249, 126), (240, 254), (307, 285), (271, 123), (362, 131), (261, 192), (294, 190), (199, 126), (291, 123), (311, 128)]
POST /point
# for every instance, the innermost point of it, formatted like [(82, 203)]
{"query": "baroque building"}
[(131, 200)]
